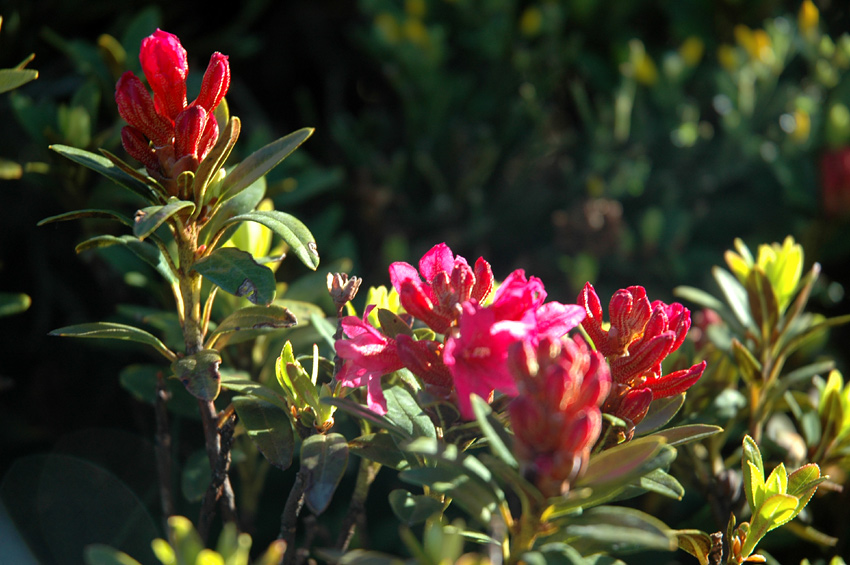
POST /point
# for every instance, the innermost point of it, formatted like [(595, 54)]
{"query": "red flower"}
[(449, 282), (164, 133), (367, 356), (556, 417), (835, 178), (640, 337)]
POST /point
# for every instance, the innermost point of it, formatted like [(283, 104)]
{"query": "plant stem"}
[(289, 518), (219, 488), (163, 448), (357, 507)]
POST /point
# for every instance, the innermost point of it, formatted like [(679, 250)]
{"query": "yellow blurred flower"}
[(728, 57), (531, 21), (692, 50), (802, 126), (388, 27), (807, 18), (415, 8), (641, 66), (415, 31), (756, 42)]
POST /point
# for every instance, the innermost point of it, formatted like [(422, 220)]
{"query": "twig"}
[(357, 508), (163, 448), (289, 518), (219, 489)]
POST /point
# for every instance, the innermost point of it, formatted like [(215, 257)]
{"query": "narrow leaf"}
[(269, 427), (413, 509), (216, 158), (109, 330), (292, 230), (622, 464), (661, 411), (237, 382), (255, 319), (406, 414), (89, 213), (686, 434), (132, 172), (11, 79), (236, 272), (105, 167), (149, 219), (736, 296), (261, 162), (325, 458), (149, 253), (491, 429)]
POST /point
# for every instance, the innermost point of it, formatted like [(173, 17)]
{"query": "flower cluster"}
[(167, 135), (641, 335), (472, 356), (556, 417)]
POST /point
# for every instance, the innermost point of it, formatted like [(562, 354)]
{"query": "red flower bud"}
[(424, 359), (136, 107), (166, 68), (188, 128), (215, 84), (138, 146)]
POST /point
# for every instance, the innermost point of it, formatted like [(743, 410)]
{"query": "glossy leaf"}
[(493, 430), (216, 158), (695, 542), (11, 79), (288, 227), (413, 509), (406, 414), (753, 471), (622, 464), (255, 319), (147, 252), (269, 427), (661, 411), (199, 373), (381, 448), (325, 457), (237, 382), (149, 219), (88, 213), (236, 272), (617, 529), (109, 330), (359, 411), (133, 172), (736, 296), (663, 483), (105, 167), (685, 434), (261, 162), (772, 513)]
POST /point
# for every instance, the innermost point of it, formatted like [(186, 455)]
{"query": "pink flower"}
[(477, 352), (556, 417), (368, 355), (164, 133), (449, 282), (640, 337)]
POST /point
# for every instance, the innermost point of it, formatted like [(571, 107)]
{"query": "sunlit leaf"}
[(109, 330), (147, 252), (199, 373), (236, 272), (255, 319), (149, 219), (493, 430), (105, 167), (90, 213), (97, 554), (288, 227)]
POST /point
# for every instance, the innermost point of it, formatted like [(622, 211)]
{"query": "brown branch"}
[(289, 518), (163, 448), (220, 489), (357, 507)]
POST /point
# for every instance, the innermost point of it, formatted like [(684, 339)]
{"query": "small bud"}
[(188, 128), (137, 145), (166, 68), (135, 106), (215, 84), (342, 289)]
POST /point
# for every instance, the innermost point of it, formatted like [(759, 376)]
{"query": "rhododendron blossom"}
[(641, 335), (164, 133), (556, 417), (471, 356)]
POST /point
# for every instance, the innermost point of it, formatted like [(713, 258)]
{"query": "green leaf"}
[(11, 79), (736, 296), (216, 158), (109, 330), (291, 229), (147, 252), (661, 411), (777, 481), (254, 319), (663, 483), (97, 554), (406, 414), (688, 433), (753, 471), (196, 476), (199, 373), (237, 382), (269, 427), (149, 219), (325, 458), (13, 303), (695, 542), (108, 169), (493, 430), (413, 509), (236, 272), (392, 325), (141, 382), (772, 513), (261, 162), (616, 529), (474, 496), (381, 448), (185, 539), (622, 464), (361, 412), (143, 178), (88, 213)]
